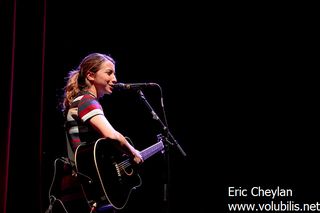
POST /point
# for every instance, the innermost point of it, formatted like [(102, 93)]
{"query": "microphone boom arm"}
[(164, 127)]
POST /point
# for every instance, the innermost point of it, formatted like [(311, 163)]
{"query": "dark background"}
[(238, 85), (149, 45)]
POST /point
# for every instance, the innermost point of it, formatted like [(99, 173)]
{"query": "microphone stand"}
[(173, 142)]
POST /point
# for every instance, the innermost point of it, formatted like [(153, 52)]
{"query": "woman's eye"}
[(109, 72)]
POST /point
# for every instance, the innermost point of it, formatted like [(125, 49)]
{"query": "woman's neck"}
[(93, 92)]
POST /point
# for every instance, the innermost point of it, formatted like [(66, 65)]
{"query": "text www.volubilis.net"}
[(273, 206)]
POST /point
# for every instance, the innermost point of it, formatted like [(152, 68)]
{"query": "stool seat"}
[(105, 208)]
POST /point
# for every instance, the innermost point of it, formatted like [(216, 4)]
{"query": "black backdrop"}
[(238, 96), (151, 46)]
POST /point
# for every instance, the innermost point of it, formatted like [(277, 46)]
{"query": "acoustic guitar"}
[(108, 176)]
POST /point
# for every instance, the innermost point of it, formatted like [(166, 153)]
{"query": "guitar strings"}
[(127, 163), (124, 164)]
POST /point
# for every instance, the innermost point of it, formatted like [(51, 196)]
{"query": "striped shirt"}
[(82, 109)]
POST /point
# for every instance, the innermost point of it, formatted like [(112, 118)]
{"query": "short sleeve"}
[(89, 107)]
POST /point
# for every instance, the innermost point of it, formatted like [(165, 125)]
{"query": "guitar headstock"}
[(160, 137)]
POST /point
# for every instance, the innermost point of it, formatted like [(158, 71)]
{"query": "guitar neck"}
[(148, 152)]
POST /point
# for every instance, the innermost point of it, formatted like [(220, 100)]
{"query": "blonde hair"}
[(76, 79)]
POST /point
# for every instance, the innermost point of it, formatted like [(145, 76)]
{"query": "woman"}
[(85, 119)]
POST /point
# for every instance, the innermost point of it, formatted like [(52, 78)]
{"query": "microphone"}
[(133, 85)]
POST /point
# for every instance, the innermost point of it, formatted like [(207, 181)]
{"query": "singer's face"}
[(105, 78)]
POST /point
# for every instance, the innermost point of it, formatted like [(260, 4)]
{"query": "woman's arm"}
[(102, 125)]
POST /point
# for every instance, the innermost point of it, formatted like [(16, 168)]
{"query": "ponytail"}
[(71, 89)]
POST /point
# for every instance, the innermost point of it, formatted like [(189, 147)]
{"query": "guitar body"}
[(109, 177), (106, 175)]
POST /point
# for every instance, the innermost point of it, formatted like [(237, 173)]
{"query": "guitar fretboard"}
[(148, 152)]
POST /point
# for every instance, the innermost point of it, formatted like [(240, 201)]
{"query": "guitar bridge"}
[(117, 170)]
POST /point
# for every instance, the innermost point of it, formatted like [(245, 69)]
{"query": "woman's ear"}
[(90, 76)]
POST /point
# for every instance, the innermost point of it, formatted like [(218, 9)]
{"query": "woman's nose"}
[(114, 80)]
